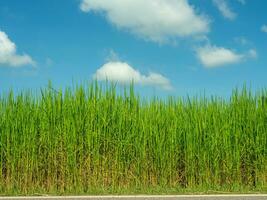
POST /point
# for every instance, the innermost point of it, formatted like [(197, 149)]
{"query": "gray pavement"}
[(145, 197)]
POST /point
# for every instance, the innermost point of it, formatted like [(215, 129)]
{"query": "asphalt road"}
[(139, 197)]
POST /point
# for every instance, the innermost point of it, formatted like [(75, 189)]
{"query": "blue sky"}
[(168, 47)]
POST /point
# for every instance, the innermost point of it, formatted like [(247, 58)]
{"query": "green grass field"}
[(92, 140)]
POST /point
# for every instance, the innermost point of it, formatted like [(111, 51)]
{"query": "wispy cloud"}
[(264, 28), (154, 20), (112, 56), (8, 54), (224, 9), (49, 62), (213, 56), (242, 40), (123, 73), (252, 53), (243, 2)]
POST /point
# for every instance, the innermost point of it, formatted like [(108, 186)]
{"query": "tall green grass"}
[(91, 139)]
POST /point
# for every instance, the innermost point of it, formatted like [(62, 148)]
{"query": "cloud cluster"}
[(160, 21), (213, 56), (123, 73), (155, 20), (8, 54), (224, 9)]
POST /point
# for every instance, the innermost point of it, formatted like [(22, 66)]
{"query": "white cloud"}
[(155, 20), (264, 28), (8, 53), (225, 10), (212, 56), (123, 73)]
